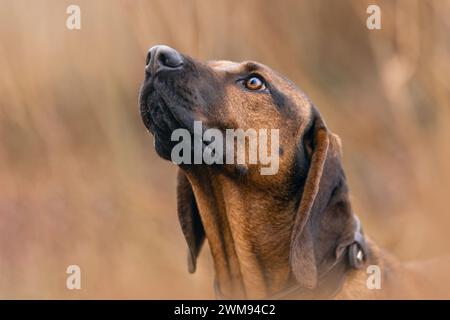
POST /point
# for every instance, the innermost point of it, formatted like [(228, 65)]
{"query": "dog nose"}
[(163, 57)]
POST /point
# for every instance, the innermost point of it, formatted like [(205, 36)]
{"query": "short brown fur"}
[(269, 232)]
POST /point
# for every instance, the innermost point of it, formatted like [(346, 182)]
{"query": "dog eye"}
[(254, 83)]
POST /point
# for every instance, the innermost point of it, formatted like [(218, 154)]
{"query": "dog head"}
[(178, 90)]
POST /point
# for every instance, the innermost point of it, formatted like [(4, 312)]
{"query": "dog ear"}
[(190, 221), (324, 224)]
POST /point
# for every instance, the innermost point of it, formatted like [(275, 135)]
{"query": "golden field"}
[(80, 182)]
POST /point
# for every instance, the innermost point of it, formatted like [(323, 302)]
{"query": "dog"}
[(289, 235)]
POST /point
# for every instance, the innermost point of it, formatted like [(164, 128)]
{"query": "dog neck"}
[(249, 233), (246, 266)]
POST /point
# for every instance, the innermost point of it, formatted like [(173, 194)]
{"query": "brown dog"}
[(288, 235)]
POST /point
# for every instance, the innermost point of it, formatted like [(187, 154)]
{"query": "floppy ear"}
[(190, 221), (324, 224)]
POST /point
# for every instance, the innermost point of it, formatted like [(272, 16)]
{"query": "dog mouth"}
[(177, 91), (155, 112), (161, 114), (167, 96)]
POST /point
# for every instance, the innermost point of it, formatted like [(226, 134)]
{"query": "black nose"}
[(163, 57)]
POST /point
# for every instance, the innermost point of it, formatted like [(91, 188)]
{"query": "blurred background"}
[(80, 182)]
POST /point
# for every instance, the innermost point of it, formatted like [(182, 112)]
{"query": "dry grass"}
[(81, 184)]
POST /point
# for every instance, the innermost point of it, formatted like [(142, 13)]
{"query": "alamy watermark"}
[(73, 281), (214, 147), (373, 21), (374, 277), (73, 21)]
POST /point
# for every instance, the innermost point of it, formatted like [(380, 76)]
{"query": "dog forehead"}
[(238, 67), (223, 65), (248, 67)]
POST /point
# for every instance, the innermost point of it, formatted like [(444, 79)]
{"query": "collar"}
[(330, 281)]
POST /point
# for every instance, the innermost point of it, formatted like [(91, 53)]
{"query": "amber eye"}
[(254, 83)]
